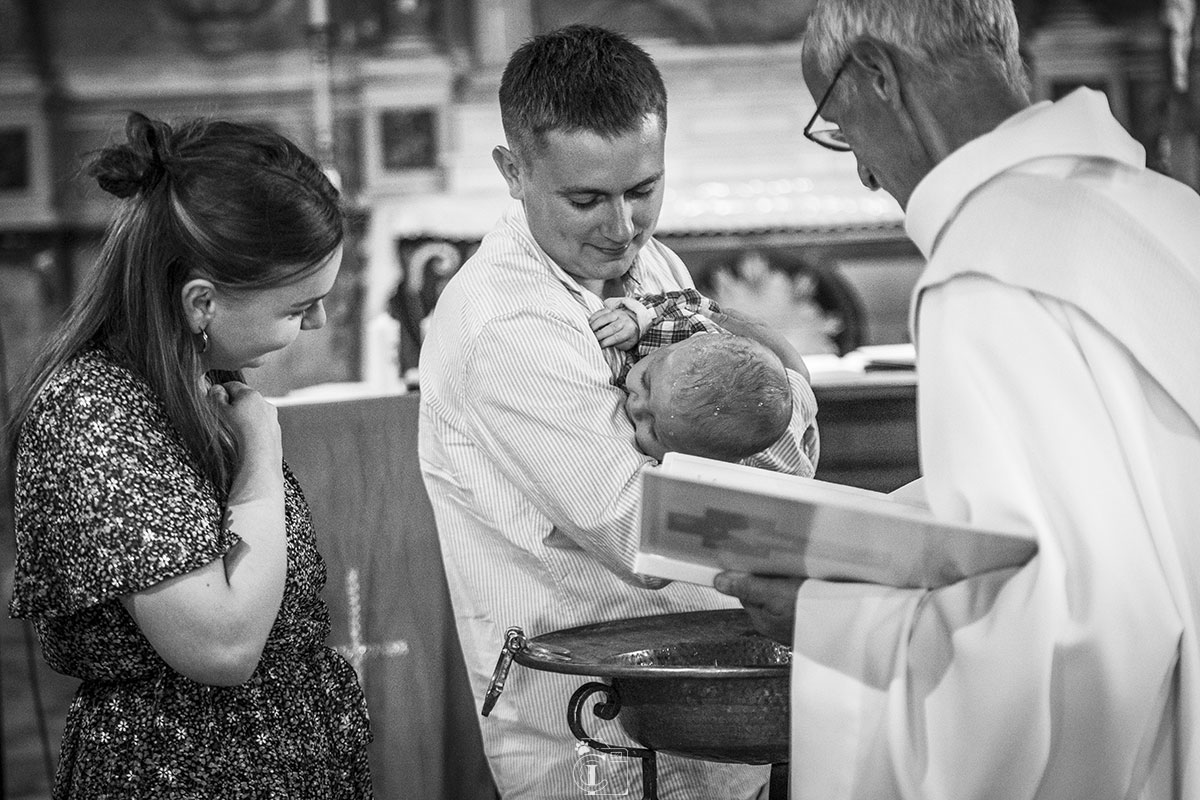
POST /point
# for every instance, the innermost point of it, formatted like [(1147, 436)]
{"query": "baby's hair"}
[(736, 399)]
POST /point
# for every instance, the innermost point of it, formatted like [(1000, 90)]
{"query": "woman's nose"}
[(314, 318)]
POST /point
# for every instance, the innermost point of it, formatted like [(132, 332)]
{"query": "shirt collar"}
[(514, 217), (1080, 125)]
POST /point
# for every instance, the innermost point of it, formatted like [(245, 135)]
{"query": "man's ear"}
[(893, 80), (199, 303), (510, 167), (879, 60)]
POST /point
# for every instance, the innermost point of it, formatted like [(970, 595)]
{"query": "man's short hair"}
[(939, 34), (579, 78), (738, 399)]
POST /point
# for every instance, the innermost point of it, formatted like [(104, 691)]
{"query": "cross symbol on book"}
[(716, 528), (357, 651)]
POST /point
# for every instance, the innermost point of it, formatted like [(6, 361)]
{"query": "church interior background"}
[(397, 98)]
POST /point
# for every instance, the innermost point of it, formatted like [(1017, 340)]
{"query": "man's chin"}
[(618, 265)]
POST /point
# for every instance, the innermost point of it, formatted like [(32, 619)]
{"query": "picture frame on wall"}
[(25, 197), (15, 169), (404, 148), (408, 139)]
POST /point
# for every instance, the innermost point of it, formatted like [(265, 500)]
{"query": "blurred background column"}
[(500, 27), (1178, 143)]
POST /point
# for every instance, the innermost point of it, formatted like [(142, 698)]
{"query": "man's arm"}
[(1021, 673), (743, 325), (543, 408)]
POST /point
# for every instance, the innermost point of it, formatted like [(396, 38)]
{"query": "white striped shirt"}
[(535, 481)]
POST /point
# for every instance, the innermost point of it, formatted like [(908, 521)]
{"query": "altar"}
[(354, 451), (356, 457)]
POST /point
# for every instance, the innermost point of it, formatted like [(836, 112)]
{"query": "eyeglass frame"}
[(829, 138)]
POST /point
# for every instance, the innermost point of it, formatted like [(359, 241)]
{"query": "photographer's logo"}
[(600, 774)]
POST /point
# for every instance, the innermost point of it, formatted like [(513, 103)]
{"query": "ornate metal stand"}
[(701, 685), (609, 710)]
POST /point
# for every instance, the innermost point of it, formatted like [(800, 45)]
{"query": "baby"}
[(693, 385)]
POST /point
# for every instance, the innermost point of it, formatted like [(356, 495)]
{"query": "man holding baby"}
[(528, 455)]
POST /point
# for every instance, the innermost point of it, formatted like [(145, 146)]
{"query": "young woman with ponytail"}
[(165, 552)]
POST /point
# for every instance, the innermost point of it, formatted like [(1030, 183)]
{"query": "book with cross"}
[(701, 516)]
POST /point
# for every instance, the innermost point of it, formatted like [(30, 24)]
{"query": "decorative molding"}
[(1075, 48), (238, 75), (221, 27), (716, 22)]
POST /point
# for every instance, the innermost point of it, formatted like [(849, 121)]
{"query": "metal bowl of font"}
[(701, 685)]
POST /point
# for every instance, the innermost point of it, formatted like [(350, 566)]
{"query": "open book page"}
[(912, 493), (701, 516)]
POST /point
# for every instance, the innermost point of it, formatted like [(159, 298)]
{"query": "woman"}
[(164, 550)]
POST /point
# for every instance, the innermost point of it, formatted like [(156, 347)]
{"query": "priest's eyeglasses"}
[(832, 137)]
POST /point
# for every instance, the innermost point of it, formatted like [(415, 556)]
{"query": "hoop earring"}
[(203, 340)]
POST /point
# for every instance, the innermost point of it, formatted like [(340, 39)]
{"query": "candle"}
[(1180, 15), (318, 13)]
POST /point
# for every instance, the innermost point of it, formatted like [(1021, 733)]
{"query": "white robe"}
[(1056, 327)]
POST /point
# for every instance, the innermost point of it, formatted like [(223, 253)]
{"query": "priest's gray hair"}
[(940, 34)]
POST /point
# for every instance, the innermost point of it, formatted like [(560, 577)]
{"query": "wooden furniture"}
[(868, 425), (356, 459)]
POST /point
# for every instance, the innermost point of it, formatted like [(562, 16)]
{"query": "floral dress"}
[(109, 502)]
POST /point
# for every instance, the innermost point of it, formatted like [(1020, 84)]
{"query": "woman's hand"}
[(770, 601), (254, 421), (212, 623)]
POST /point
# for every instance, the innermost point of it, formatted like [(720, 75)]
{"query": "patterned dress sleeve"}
[(108, 500)]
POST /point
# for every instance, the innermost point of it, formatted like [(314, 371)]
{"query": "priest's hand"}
[(770, 601)]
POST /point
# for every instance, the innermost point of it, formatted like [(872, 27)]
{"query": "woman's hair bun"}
[(138, 165)]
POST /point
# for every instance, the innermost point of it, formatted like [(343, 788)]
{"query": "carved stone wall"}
[(684, 21), (411, 93)]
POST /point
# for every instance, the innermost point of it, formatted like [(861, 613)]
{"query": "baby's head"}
[(714, 395)]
